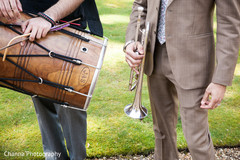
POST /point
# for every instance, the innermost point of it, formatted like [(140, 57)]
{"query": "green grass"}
[(110, 131)]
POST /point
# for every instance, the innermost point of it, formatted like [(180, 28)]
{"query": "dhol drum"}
[(64, 66)]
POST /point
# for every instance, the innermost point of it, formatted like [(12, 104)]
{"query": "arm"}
[(131, 57), (39, 27), (131, 29), (227, 48)]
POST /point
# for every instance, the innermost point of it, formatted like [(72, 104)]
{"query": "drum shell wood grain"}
[(79, 77)]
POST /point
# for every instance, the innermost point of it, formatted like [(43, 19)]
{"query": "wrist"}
[(47, 18), (126, 44)]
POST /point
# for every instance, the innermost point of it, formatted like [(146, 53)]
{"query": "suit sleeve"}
[(131, 29), (228, 40)]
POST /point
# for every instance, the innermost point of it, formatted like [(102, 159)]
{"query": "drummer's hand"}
[(10, 9), (134, 55), (38, 27)]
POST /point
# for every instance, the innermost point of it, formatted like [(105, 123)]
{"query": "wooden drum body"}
[(60, 67)]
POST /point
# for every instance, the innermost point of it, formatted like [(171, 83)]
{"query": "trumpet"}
[(133, 75), (136, 109)]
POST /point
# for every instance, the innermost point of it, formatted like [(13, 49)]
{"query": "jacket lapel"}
[(169, 3)]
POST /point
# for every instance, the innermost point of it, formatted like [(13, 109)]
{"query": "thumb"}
[(140, 48), (205, 98)]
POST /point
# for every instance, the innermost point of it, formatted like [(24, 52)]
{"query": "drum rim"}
[(96, 74)]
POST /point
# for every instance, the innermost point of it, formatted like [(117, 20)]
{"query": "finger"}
[(46, 30), (39, 33), (134, 55), (205, 100), (205, 97), (14, 8), (33, 34), (25, 31), (23, 43), (139, 48), (134, 47), (133, 68), (9, 12), (135, 62), (205, 105), (44, 33), (28, 28), (214, 102), (19, 5), (131, 65), (3, 10)]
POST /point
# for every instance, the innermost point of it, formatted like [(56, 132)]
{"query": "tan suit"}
[(190, 41), (185, 66)]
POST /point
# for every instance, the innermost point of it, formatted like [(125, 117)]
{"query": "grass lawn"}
[(110, 131)]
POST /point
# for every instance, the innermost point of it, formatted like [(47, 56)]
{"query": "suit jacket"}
[(190, 39)]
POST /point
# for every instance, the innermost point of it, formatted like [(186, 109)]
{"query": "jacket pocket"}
[(202, 35)]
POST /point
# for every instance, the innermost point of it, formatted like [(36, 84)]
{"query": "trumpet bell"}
[(136, 113)]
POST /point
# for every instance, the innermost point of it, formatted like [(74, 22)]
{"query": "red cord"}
[(76, 24)]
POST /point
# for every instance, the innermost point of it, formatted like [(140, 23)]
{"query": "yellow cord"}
[(9, 43)]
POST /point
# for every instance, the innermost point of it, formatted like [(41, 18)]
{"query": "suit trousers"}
[(57, 123), (165, 95)]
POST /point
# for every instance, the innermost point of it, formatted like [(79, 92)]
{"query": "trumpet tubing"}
[(133, 75), (136, 109)]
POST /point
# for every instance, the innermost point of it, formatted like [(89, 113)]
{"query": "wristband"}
[(126, 44), (46, 17)]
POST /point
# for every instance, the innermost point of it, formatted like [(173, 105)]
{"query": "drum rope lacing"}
[(65, 104), (9, 43), (50, 54), (38, 79), (53, 54)]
